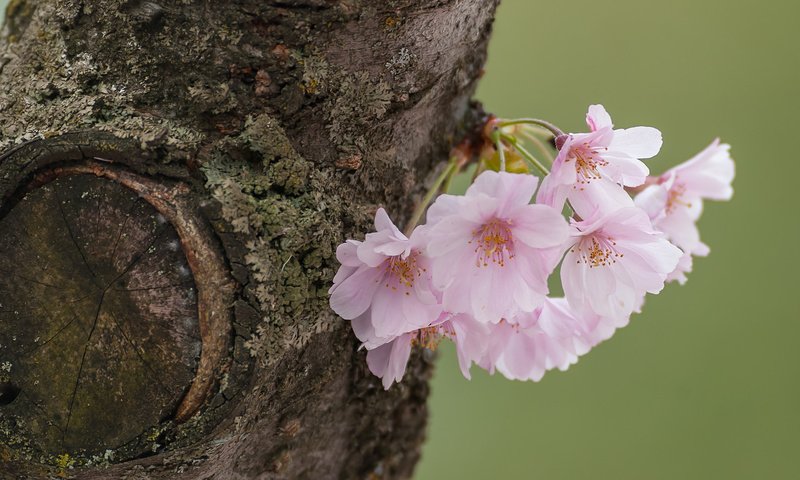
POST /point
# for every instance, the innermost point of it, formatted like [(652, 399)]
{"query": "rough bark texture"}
[(275, 128)]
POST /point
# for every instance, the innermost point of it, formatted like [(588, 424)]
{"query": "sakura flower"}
[(524, 349), (471, 338), (491, 250), (613, 260), (589, 329), (684, 266), (591, 167), (385, 282), (675, 199), (388, 360), (553, 336)]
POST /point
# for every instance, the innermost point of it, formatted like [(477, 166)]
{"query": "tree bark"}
[(175, 177)]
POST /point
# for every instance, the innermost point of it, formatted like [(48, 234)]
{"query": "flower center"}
[(675, 198), (597, 251), (493, 243), (401, 273), (431, 337), (587, 160)]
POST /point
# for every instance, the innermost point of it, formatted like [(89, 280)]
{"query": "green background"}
[(706, 382)]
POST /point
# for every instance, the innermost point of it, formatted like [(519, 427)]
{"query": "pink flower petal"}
[(598, 118), (653, 200), (539, 226), (384, 223), (637, 142), (389, 361), (626, 170), (353, 296)]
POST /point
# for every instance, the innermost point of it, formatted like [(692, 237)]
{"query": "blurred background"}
[(706, 382)]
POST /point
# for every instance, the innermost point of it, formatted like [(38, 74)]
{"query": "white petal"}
[(638, 142), (625, 169), (598, 118), (653, 200), (598, 198), (383, 222)]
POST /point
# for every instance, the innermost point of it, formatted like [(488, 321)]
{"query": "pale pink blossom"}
[(387, 358), (491, 250), (684, 266), (613, 260), (388, 361), (384, 282), (588, 328), (674, 201), (471, 338), (591, 168), (553, 336), (524, 348)]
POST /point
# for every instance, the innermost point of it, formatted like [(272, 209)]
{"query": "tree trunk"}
[(175, 178)]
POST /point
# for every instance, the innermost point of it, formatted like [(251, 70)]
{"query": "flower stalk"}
[(525, 153), (446, 174), (557, 132)]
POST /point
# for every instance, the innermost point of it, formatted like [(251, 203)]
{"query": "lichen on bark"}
[(275, 204)]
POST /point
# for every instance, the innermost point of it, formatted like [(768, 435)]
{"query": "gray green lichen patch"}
[(358, 103), (401, 61), (69, 96), (215, 98), (15, 435), (316, 73), (111, 74), (270, 194)]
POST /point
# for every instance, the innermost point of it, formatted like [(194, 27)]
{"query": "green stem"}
[(526, 154), (420, 210), (532, 121), (498, 144), (501, 154), (448, 183), (540, 146)]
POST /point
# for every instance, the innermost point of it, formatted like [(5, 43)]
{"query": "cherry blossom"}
[(387, 358), (591, 168), (386, 280), (388, 361), (589, 329), (613, 260), (527, 346), (674, 201), (491, 250), (553, 336)]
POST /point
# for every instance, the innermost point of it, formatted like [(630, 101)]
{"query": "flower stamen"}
[(597, 251), (401, 272), (431, 337), (587, 160), (675, 198), (494, 243)]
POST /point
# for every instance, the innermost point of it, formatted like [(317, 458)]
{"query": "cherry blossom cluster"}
[(477, 271)]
